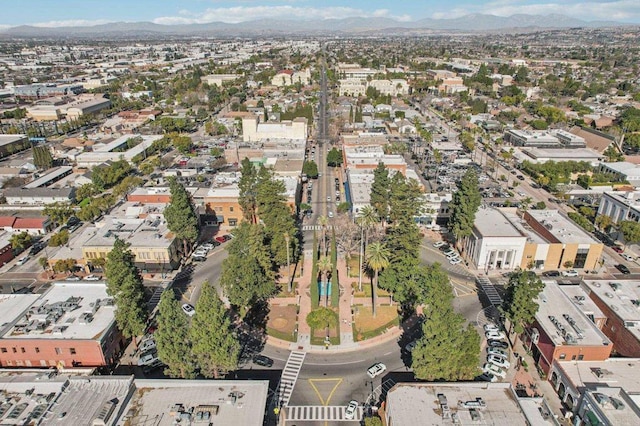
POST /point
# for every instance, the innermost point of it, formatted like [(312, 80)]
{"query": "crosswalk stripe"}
[(333, 413), (289, 376)]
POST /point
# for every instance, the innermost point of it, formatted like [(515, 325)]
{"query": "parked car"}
[(439, 244), (91, 278), (188, 309), (150, 367), (262, 360), (617, 249), (497, 352), (220, 239), (491, 327), (570, 273), (411, 346), (497, 344), (498, 361), (488, 377), (227, 237), (72, 278), (207, 246), (551, 274), (494, 369), (376, 369), (147, 345), (622, 268), (148, 358), (23, 260), (495, 335), (330, 214), (627, 257), (352, 408), (454, 260)]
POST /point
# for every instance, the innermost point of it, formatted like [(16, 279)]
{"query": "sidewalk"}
[(304, 331)]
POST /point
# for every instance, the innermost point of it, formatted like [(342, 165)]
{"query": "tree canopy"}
[(380, 191), (519, 305), (213, 343), (322, 318), (180, 213), (124, 283), (334, 158), (464, 205), (172, 340)]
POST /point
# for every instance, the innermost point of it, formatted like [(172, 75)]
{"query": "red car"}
[(617, 249), (221, 238)]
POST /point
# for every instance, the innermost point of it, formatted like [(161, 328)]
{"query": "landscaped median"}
[(366, 326), (281, 323), (325, 327)]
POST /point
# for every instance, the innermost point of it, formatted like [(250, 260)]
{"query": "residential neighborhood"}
[(376, 225)]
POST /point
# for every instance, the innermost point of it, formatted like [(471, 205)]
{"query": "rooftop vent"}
[(105, 412)]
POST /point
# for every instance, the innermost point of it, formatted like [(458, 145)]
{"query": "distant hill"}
[(355, 25)]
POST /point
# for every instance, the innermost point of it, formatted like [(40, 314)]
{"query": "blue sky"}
[(90, 12)]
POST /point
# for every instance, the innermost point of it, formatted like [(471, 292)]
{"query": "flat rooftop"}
[(563, 154), (554, 304), (408, 402), (51, 175), (623, 297), (581, 299), (8, 139), (151, 231), (493, 223), (616, 405), (229, 403), (72, 310), (26, 397), (614, 372), (562, 228)]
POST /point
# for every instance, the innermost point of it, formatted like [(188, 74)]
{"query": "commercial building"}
[(620, 205), (542, 155), (38, 196), (562, 331), (622, 171), (219, 79), (61, 399), (543, 138), (619, 300), (71, 324), (10, 144), (582, 384), (32, 225), (469, 403), (539, 239), (150, 194), (112, 151), (155, 248), (37, 91), (253, 130)]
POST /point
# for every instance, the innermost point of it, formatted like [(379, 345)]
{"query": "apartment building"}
[(70, 325), (253, 130)]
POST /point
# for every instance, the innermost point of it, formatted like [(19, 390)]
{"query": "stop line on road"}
[(332, 413), (290, 376)]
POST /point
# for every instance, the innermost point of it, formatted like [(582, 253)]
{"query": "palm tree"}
[(286, 238), (377, 260), (325, 267), (324, 221), (366, 219)]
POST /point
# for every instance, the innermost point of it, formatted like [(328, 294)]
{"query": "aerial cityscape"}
[(280, 212)]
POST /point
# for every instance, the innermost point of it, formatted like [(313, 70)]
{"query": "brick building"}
[(562, 331), (71, 324), (619, 300)]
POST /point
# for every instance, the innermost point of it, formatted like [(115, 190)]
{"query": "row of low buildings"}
[(61, 398)]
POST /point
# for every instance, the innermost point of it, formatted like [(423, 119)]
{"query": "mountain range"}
[(352, 26)]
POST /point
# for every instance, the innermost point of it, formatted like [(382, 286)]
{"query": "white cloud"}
[(71, 23), (251, 13)]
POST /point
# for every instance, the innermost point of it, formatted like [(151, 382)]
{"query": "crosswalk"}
[(315, 228), (331, 413), (489, 289), (290, 376)]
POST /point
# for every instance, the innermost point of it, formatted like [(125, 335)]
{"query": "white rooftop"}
[(73, 310), (562, 228), (616, 405), (236, 403), (614, 372), (557, 312), (408, 402), (492, 223), (623, 297)]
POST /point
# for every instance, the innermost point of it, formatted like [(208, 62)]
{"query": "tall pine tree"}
[(464, 206), (124, 283), (447, 350), (215, 347), (247, 187), (519, 305), (172, 339), (380, 191), (181, 215)]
